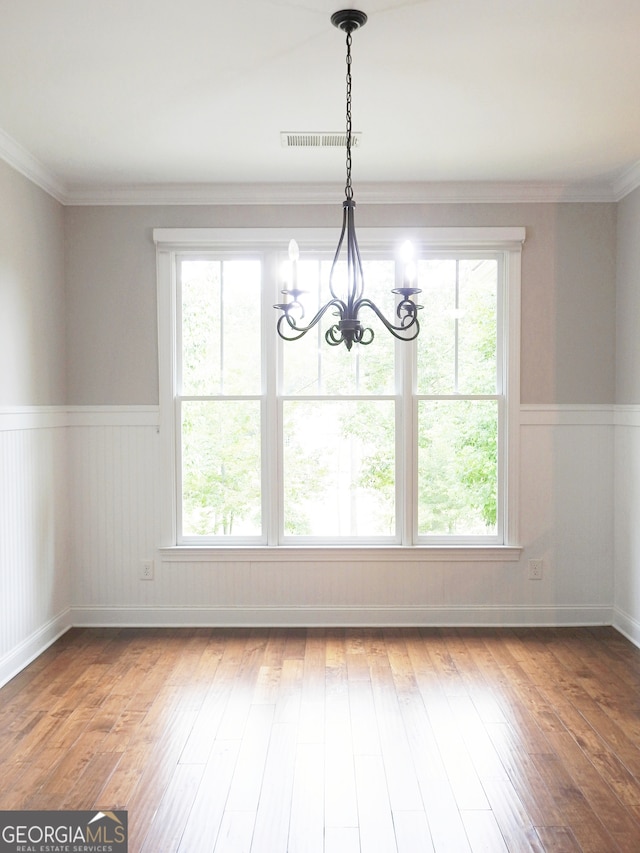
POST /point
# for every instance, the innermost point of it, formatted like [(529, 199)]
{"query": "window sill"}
[(354, 553)]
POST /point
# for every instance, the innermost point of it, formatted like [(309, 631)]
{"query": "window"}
[(283, 443)]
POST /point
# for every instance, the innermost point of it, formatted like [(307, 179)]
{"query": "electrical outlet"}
[(535, 570), (146, 570)]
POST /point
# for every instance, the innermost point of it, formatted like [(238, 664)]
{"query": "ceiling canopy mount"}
[(348, 20)]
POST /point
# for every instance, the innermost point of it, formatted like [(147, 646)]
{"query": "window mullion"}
[(406, 432), (456, 330), (222, 328), (177, 407), (178, 465), (509, 303), (272, 430)]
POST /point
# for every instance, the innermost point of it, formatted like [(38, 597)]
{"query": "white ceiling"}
[(97, 95)]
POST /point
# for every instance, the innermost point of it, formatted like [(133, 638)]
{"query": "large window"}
[(284, 443)]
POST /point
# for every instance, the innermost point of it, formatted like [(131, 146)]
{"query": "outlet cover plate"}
[(146, 570), (535, 570)]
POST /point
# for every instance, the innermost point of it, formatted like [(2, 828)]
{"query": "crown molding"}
[(26, 164), (450, 192), (206, 194), (627, 181)]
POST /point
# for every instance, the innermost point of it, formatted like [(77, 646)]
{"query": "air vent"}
[(318, 140)]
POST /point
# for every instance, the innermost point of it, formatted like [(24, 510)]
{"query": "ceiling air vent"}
[(290, 139)]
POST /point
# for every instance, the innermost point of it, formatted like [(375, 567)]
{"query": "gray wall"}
[(32, 294), (628, 301), (568, 290)]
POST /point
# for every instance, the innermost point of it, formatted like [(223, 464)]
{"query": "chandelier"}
[(348, 299)]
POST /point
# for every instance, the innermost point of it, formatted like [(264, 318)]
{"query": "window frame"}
[(502, 242)]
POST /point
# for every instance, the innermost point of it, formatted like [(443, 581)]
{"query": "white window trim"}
[(172, 241)]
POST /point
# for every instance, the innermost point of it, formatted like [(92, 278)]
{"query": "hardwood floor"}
[(336, 740)]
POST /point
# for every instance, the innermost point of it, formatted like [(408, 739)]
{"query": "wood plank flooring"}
[(334, 740)]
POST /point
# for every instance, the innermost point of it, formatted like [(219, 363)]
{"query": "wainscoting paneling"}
[(566, 519), (34, 552), (115, 493), (627, 522)]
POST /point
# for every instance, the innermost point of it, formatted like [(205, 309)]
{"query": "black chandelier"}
[(349, 328)]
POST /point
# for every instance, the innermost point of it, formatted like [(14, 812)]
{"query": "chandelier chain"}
[(348, 190)]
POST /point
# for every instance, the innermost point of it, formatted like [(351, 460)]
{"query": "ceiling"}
[(97, 95)]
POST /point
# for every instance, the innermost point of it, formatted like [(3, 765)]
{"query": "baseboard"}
[(325, 616), (33, 646), (490, 616), (627, 626)]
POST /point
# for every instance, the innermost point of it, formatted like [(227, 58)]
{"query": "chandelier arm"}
[(397, 331), (336, 257), (354, 260), (333, 336), (355, 274), (300, 331)]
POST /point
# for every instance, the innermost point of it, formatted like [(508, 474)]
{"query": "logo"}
[(63, 832)]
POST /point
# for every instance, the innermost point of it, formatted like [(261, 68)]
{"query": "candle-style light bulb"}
[(294, 254), (407, 257), (406, 252)]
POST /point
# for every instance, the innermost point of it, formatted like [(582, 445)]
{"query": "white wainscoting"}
[(627, 522), (566, 518), (35, 592), (115, 494)]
